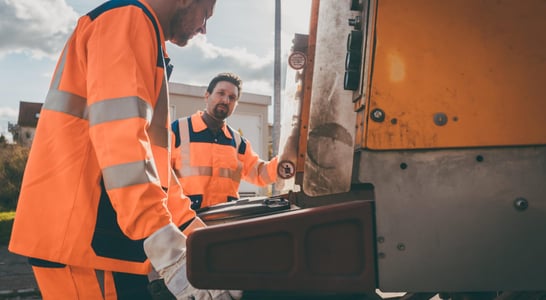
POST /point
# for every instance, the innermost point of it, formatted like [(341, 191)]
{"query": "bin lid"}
[(242, 209)]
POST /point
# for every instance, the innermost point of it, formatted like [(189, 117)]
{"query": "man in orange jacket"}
[(98, 201), (211, 158)]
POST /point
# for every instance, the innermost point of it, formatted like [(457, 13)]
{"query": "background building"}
[(23, 131)]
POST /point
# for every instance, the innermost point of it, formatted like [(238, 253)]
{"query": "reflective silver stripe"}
[(263, 172), (183, 130), (234, 175), (56, 81), (237, 138), (129, 174), (100, 278), (63, 101), (259, 170), (67, 103), (119, 109), (253, 172), (187, 171), (133, 107), (158, 131), (160, 136)]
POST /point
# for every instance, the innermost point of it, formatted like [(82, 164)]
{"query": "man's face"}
[(222, 101), (190, 21)]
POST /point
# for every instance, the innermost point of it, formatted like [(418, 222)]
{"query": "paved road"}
[(16, 279)]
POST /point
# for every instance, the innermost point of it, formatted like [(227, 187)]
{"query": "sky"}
[(240, 38)]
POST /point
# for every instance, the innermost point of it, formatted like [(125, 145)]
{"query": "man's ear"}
[(206, 96)]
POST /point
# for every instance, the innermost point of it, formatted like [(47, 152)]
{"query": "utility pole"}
[(275, 135)]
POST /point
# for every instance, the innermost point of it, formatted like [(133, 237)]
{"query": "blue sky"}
[(240, 39)]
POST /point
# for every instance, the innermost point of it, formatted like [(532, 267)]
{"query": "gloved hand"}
[(166, 249)]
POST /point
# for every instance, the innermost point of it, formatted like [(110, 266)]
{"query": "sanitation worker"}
[(99, 201), (211, 158)]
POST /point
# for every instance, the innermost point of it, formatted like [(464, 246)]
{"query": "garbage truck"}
[(414, 141)]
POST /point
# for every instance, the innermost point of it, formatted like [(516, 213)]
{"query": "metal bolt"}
[(521, 204), (401, 247), (440, 119), (381, 255), (380, 239), (377, 115)]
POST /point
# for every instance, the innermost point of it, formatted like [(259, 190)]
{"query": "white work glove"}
[(166, 249)]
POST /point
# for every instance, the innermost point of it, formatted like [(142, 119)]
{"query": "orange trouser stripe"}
[(73, 283)]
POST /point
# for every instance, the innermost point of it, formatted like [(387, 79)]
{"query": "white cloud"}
[(36, 27), (238, 54), (261, 87), (240, 39), (201, 60), (8, 113)]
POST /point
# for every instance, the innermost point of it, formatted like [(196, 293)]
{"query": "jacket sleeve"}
[(256, 170), (123, 87), (179, 204)]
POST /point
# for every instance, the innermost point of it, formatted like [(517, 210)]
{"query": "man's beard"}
[(180, 42), (221, 114), (178, 38)]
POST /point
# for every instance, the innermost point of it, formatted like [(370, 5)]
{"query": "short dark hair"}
[(229, 77)]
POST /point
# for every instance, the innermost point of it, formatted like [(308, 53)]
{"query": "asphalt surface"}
[(16, 278)]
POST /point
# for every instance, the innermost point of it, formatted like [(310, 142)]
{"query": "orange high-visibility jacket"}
[(98, 180), (210, 167)]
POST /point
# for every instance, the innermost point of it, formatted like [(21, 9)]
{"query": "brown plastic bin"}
[(322, 249)]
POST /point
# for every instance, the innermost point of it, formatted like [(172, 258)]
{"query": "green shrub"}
[(6, 223), (13, 159)]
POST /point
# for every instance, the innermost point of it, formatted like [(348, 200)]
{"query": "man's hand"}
[(166, 249)]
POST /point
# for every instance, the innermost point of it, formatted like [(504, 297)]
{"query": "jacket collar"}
[(199, 125)]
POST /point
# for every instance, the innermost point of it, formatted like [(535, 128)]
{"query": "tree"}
[(13, 159)]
